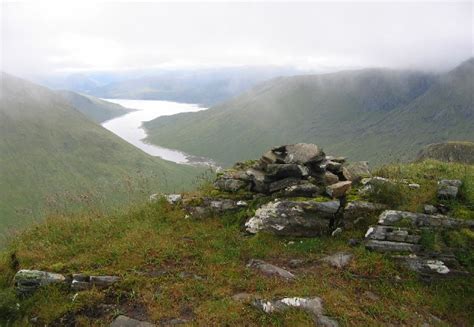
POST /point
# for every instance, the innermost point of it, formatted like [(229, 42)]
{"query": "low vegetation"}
[(172, 266)]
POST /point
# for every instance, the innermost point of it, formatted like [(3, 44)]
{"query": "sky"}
[(43, 37)]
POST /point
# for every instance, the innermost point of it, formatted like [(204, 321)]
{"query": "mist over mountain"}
[(51, 152), (376, 114)]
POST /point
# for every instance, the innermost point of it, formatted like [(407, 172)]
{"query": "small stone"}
[(243, 297), (338, 260), (353, 242), (339, 189), (336, 232), (28, 281), (242, 203), (104, 281), (124, 321), (371, 296), (414, 186), (173, 198), (330, 178), (270, 270), (295, 263)]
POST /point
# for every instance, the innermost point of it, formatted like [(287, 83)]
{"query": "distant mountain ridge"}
[(375, 114), (50, 150)]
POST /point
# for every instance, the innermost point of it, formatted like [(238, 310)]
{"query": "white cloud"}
[(56, 36)]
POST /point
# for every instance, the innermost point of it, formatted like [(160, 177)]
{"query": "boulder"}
[(124, 321), (448, 188), (430, 209), (339, 189), (28, 281), (270, 270), (358, 170), (290, 218), (357, 209)]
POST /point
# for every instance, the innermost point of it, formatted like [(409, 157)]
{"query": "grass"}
[(176, 267)]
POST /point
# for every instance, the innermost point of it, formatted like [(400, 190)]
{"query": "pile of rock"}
[(400, 231), (294, 170)]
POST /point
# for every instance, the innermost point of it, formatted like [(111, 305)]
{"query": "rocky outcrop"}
[(401, 231), (290, 218), (313, 306)]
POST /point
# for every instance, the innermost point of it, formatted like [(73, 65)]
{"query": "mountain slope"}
[(94, 108), (50, 152), (202, 86), (369, 114)]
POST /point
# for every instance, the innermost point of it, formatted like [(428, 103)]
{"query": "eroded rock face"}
[(28, 281), (289, 218)]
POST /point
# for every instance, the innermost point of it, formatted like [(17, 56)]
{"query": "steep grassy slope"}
[(94, 108), (369, 115), (51, 153), (175, 267)]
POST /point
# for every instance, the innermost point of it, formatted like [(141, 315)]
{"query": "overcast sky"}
[(38, 38)]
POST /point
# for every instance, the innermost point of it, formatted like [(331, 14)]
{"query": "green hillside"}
[(372, 114), (54, 158), (94, 108)]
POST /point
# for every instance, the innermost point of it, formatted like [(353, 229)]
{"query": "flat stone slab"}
[(405, 218), (270, 270), (338, 260), (124, 321), (27, 281)]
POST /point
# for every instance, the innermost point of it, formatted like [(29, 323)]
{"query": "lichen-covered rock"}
[(230, 184), (292, 218), (300, 153), (279, 171), (395, 218), (448, 188), (305, 189), (427, 267), (28, 281), (357, 209), (270, 270)]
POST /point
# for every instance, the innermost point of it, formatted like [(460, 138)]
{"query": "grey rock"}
[(414, 186), (330, 178), (28, 281), (333, 166), (282, 184), (358, 170), (439, 266), (430, 209), (223, 205), (243, 297), (305, 189), (389, 246), (104, 281), (229, 184), (241, 204), (371, 296), (339, 189), (357, 209), (338, 260), (173, 198), (270, 270), (300, 153), (290, 218), (394, 217), (336, 232), (448, 188), (395, 234), (295, 263), (124, 321), (326, 321), (279, 171)]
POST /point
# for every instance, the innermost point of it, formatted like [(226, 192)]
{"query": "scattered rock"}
[(289, 218), (28, 281), (270, 270), (338, 260), (448, 188), (339, 189), (124, 321)]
